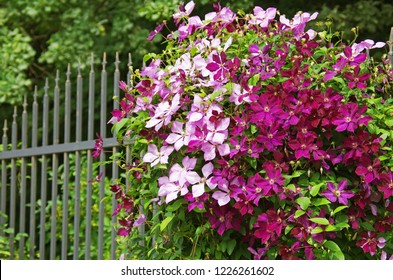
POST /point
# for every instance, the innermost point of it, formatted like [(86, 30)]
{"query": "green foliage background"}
[(39, 36)]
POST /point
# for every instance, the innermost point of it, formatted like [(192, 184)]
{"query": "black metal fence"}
[(47, 184)]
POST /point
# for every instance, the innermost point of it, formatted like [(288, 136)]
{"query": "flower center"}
[(258, 190), (249, 151), (270, 136), (271, 181), (266, 109), (370, 168), (390, 186), (237, 147), (337, 193), (348, 119), (222, 219), (303, 146)]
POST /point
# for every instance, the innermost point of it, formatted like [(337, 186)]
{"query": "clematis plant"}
[(253, 136)]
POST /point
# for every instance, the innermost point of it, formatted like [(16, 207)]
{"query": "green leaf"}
[(337, 254), (340, 226), (338, 209), (389, 122), (231, 246), (252, 162), (316, 230), (330, 228), (165, 222), (297, 173), (321, 201), (303, 182), (315, 189), (173, 207), (368, 226), (304, 202), (299, 213), (119, 125), (320, 221), (253, 129), (288, 228), (215, 94)]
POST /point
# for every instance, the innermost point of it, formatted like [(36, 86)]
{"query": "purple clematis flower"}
[(357, 80), (333, 194), (351, 117), (386, 185), (369, 242), (98, 146)]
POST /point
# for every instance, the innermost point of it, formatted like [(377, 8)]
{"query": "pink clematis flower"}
[(155, 157), (199, 189), (184, 174), (262, 17), (163, 113), (179, 137), (184, 11), (170, 189)]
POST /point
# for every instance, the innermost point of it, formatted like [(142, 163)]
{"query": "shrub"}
[(253, 137)]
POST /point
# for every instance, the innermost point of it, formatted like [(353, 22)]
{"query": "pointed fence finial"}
[(130, 71), (390, 43), (117, 61), (5, 128), (35, 94), (92, 62), (104, 62), (57, 78), (79, 67), (129, 60), (46, 87), (68, 71), (15, 113), (25, 104)]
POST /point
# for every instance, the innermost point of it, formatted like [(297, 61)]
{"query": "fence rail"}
[(47, 190)]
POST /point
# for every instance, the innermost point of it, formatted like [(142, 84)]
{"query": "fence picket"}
[(102, 159), (22, 205), (90, 136), (78, 163), (55, 165), (44, 175), (4, 179), (33, 177)]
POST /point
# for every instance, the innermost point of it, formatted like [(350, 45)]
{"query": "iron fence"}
[(32, 171)]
